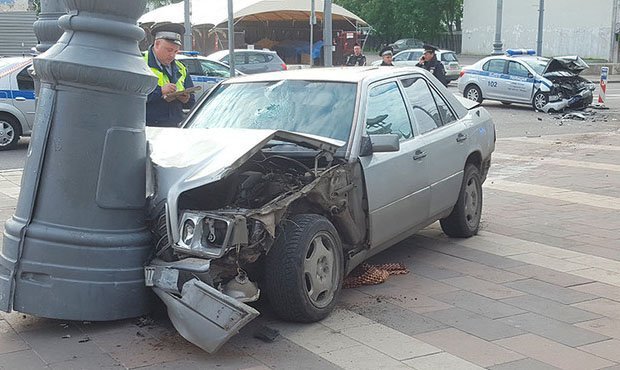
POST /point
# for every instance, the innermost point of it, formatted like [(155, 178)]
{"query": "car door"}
[(23, 94), (445, 142), (521, 82), (396, 182), (491, 82)]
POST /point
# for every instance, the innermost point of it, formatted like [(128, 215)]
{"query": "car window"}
[(214, 70), (402, 56), (415, 55), (448, 57), (24, 80), (312, 107), (387, 113), (239, 58), (193, 67), (425, 112), (445, 112), (495, 65), (269, 57), (517, 69), (254, 58)]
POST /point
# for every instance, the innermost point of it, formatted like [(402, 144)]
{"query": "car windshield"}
[(311, 107), (538, 65)]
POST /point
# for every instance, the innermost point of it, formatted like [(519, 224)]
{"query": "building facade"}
[(14, 5), (571, 27)]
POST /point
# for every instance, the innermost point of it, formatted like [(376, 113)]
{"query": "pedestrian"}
[(317, 53), (357, 58), (386, 54), (429, 61), (165, 104)]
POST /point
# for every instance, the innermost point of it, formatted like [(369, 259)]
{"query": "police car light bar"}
[(513, 52), (189, 53)]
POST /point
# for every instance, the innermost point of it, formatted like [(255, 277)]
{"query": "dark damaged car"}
[(280, 184), (549, 85)]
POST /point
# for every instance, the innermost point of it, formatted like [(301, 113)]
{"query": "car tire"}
[(10, 132), (540, 100), (304, 269), (159, 233), (464, 221), (473, 92)]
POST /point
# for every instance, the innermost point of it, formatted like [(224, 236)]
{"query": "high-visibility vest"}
[(162, 78)]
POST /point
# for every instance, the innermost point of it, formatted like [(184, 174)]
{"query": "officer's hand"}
[(168, 88), (184, 98), (422, 60), (169, 98)]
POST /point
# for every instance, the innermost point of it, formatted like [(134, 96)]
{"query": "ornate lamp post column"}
[(497, 45), (76, 246), (46, 27)]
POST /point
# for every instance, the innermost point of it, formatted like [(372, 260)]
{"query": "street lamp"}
[(187, 38), (327, 32), (541, 17), (497, 45)]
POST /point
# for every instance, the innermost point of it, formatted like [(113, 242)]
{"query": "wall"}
[(570, 26), (13, 5)]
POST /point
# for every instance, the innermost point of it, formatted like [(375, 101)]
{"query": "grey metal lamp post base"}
[(76, 246)]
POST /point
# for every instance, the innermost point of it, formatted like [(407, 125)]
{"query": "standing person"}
[(163, 110), (357, 58), (317, 53), (429, 61), (386, 53)]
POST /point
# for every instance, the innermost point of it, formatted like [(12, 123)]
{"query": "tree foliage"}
[(394, 19)]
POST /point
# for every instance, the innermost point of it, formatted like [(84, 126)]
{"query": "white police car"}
[(204, 72), (522, 77), (16, 100)]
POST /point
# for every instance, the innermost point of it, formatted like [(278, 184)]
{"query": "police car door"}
[(22, 87), (521, 83), (493, 85)]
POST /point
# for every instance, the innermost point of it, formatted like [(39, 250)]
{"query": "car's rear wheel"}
[(9, 132), (304, 269), (464, 221), (472, 92), (540, 100)]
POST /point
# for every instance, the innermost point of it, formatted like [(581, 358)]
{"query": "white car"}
[(17, 100), (522, 77), (204, 72), (411, 57)]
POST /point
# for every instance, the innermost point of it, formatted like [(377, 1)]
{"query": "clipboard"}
[(189, 90)]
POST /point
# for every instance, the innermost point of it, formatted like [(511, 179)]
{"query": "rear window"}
[(449, 57), (254, 58)]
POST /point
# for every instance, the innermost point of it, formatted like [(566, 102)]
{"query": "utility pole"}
[(497, 45), (541, 18), (312, 23), (187, 38), (231, 38), (327, 32)]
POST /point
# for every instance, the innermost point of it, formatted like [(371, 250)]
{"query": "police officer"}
[(429, 61), (357, 58), (386, 54), (163, 110)]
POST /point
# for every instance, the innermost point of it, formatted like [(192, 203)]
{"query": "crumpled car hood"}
[(573, 64)]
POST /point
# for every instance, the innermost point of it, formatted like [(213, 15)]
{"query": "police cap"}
[(168, 31), (430, 48), (386, 51)]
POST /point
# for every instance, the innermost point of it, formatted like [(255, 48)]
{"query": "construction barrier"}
[(603, 90)]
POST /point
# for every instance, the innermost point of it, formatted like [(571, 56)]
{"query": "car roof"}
[(422, 49), (222, 53), (335, 74)]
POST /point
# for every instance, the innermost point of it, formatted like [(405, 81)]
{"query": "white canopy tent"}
[(215, 12)]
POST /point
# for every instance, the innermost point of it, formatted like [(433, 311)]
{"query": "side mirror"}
[(379, 144)]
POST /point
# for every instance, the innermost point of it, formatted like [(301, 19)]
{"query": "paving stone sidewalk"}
[(538, 288)]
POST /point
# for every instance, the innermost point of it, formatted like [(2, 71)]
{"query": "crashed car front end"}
[(215, 218), (567, 89)]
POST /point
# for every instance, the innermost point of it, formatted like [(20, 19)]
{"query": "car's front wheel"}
[(472, 92), (9, 132), (464, 221), (304, 269), (540, 100)]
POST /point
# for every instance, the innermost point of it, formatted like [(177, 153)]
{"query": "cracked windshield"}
[(310, 107)]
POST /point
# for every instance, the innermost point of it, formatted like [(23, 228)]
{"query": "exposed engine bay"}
[(569, 90)]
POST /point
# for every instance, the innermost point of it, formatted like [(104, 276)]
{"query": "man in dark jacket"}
[(357, 58), (429, 62), (164, 105)]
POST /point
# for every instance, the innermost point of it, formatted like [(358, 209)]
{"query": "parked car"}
[(281, 183), (522, 77), (411, 57), (204, 72), (252, 61), (16, 100), (404, 44)]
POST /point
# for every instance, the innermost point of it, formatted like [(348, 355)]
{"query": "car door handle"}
[(461, 137), (419, 155), (20, 98)]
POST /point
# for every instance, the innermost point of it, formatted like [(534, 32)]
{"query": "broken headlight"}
[(210, 235)]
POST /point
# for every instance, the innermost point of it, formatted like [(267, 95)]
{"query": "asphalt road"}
[(511, 121)]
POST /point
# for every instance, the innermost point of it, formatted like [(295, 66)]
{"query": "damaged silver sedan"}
[(280, 184)]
